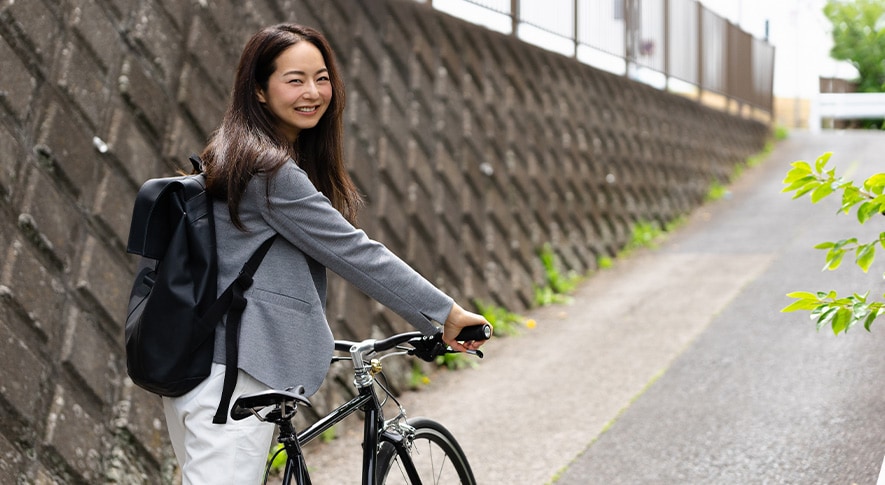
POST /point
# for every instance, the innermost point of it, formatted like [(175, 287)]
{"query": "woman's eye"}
[(295, 81), (323, 79)]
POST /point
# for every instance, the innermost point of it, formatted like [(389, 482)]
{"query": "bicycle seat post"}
[(289, 438)]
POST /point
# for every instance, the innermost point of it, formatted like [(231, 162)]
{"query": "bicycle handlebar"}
[(475, 332), (426, 347)]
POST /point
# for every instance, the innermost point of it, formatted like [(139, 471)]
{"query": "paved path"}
[(675, 366), (759, 396)]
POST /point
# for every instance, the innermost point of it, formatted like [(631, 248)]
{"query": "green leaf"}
[(834, 259), (825, 317), (875, 184), (821, 161), (831, 176), (845, 242), (820, 192), (866, 253), (869, 320), (841, 320), (805, 295), (825, 245), (797, 183), (866, 210), (808, 187), (879, 201), (851, 195), (802, 165), (797, 173), (804, 305)]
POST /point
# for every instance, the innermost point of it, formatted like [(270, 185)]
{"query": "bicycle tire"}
[(438, 458)]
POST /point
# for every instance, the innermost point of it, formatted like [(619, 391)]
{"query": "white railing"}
[(845, 106)]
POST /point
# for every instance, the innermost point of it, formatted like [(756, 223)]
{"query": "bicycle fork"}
[(374, 431), (402, 445), (374, 437)]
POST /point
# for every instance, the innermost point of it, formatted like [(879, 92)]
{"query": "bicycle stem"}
[(361, 377)]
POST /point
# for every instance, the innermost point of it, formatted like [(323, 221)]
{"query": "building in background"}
[(801, 34)]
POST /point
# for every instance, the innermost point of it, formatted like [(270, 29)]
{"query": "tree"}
[(859, 38), (827, 307)]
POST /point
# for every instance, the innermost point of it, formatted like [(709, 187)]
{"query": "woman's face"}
[(299, 90)]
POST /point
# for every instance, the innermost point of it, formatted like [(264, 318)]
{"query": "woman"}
[(275, 166)]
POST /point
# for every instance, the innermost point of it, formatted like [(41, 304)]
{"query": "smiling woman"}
[(275, 168)]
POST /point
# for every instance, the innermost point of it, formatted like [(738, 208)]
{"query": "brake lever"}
[(429, 348), (476, 352)]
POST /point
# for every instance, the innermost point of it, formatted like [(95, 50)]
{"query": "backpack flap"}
[(155, 213)]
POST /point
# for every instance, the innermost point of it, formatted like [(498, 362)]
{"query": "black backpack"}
[(174, 306)]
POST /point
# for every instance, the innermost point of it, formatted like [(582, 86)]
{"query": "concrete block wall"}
[(473, 149)]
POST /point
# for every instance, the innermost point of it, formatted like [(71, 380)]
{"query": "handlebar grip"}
[(475, 332)]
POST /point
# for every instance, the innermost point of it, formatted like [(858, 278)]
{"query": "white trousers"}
[(234, 452)]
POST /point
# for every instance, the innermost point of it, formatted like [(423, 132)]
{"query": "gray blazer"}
[(285, 339)]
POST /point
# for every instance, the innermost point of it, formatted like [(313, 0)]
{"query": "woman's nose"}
[(310, 90)]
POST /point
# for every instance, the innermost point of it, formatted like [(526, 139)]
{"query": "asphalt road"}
[(759, 396), (676, 366)]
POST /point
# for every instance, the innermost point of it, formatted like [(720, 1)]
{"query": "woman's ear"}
[(259, 93)]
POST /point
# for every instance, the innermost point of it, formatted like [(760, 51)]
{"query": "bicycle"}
[(398, 450)]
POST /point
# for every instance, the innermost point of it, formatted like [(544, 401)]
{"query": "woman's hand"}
[(459, 318)]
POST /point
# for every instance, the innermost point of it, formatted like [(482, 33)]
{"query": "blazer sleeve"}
[(306, 218)]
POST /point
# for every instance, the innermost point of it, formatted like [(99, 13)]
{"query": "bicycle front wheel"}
[(437, 457)]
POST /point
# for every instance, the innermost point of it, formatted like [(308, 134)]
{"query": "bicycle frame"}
[(367, 401)]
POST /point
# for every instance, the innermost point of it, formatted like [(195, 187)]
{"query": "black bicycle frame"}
[(367, 401)]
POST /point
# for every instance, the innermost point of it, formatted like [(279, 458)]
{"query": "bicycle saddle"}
[(248, 404)]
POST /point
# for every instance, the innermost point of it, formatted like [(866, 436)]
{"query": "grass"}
[(503, 321), (557, 285), (718, 190)]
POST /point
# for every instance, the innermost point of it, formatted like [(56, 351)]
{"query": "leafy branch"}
[(840, 313), (828, 308)]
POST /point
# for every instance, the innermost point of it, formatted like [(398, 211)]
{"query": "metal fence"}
[(672, 44)]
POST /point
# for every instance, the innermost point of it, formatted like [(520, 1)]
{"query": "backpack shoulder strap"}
[(234, 299)]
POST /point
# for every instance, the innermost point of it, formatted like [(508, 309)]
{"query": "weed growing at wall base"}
[(503, 321), (719, 190), (557, 285), (647, 234), (417, 378)]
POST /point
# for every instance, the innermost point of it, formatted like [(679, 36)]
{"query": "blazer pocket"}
[(281, 300)]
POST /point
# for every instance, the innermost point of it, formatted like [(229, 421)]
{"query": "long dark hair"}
[(247, 142)]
